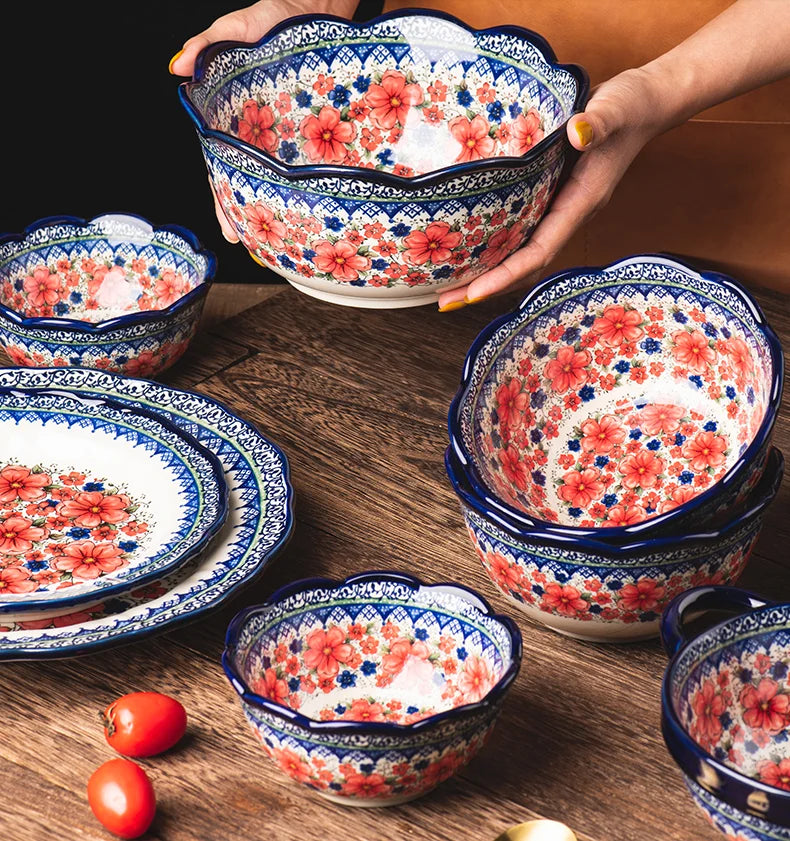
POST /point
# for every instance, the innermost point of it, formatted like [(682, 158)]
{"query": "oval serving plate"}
[(96, 498), (259, 523)]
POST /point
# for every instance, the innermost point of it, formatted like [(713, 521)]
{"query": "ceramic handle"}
[(673, 634)]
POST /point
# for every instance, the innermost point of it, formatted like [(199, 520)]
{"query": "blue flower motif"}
[(495, 111), (122, 358), (61, 308), (35, 566), (635, 434), (462, 653), (571, 335), (655, 444), (686, 477), (537, 399), (587, 321), (745, 676), (75, 298), (595, 608), (750, 747), (648, 616), (574, 445), (340, 709), (623, 366), (286, 261), (333, 223), (362, 83), (421, 634), (538, 478), (609, 500), (710, 330), (575, 512), (359, 282), (540, 350), (750, 396), (79, 533), (93, 486), (346, 679), (385, 157), (234, 124), (288, 151), (75, 360), (379, 264), (303, 99), (516, 206), (443, 272), (535, 435), (128, 545), (696, 379), (680, 317), (779, 670), (368, 667), (726, 720), (153, 271), (601, 461), (293, 684), (19, 284), (308, 254), (614, 584), (119, 261), (561, 577), (239, 196), (586, 393), (514, 110), (464, 97), (730, 392), (295, 646), (412, 710), (339, 96), (679, 439), (400, 230), (651, 345), (710, 426), (537, 589)]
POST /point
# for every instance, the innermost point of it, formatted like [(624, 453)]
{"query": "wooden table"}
[(358, 401)]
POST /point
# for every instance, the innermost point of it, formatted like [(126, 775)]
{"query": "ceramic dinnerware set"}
[(610, 442)]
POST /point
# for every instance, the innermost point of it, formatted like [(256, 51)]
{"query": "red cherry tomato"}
[(144, 723), (122, 798)]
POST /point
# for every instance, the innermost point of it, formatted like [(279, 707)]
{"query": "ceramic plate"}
[(259, 522), (96, 498)]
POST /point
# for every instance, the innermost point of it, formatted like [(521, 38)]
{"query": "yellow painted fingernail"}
[(173, 60), (257, 259), (475, 300), (585, 132), (453, 305)]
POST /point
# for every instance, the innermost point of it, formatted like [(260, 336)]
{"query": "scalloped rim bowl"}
[(113, 292), (619, 402), (315, 139), (374, 689)]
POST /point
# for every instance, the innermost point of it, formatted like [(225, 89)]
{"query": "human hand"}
[(621, 116), (248, 25)]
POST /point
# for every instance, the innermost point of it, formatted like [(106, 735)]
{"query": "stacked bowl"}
[(610, 442)]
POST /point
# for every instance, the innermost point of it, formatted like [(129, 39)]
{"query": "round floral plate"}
[(260, 521), (96, 498)]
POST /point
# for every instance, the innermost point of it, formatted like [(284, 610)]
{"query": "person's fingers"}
[(228, 231), (453, 299), (183, 62)]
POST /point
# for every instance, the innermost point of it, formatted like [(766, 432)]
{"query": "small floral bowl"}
[(376, 164), (112, 293), (592, 590), (725, 707), (618, 402), (372, 690)]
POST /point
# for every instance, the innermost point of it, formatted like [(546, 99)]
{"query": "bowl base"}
[(590, 631), (365, 301), (372, 802)]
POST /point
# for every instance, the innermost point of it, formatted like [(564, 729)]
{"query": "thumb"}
[(589, 129)]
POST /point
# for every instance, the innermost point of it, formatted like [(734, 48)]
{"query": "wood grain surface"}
[(358, 401)]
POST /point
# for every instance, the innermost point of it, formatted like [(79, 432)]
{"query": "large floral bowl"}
[(377, 164), (725, 707), (633, 400), (372, 690), (592, 590), (114, 293)]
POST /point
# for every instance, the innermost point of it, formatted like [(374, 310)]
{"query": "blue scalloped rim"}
[(144, 626), (312, 725), (521, 524), (217, 477), (130, 319), (756, 503), (302, 171), (735, 787)]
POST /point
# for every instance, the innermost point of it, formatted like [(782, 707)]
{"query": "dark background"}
[(93, 124)]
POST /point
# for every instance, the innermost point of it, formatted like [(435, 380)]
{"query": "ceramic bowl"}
[(596, 591), (724, 703), (372, 690), (113, 293), (376, 164), (637, 399)]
